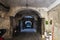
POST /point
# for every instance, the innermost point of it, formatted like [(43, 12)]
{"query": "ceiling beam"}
[(53, 5)]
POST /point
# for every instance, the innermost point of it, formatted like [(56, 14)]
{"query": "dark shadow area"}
[(2, 32), (3, 7)]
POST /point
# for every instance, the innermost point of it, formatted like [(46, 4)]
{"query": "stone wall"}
[(54, 14), (5, 22)]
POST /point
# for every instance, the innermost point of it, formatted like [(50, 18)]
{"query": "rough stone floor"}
[(28, 36)]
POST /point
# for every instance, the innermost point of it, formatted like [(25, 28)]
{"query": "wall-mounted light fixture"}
[(46, 22), (50, 22)]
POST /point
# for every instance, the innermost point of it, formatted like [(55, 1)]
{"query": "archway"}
[(27, 21)]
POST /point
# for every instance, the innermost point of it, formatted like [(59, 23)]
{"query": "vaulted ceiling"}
[(32, 3)]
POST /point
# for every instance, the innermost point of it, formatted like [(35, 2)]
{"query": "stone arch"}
[(29, 12), (14, 11)]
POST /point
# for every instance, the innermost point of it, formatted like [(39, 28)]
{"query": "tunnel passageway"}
[(28, 36), (27, 25)]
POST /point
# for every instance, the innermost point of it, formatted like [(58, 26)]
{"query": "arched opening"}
[(27, 22)]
